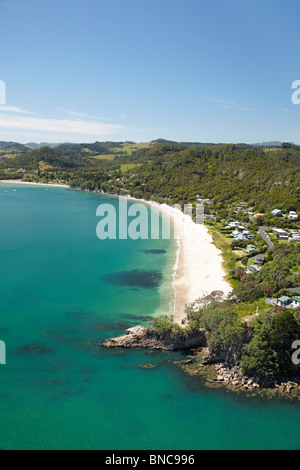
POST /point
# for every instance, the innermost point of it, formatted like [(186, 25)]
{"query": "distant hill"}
[(13, 147), (34, 145), (275, 143), (263, 177)]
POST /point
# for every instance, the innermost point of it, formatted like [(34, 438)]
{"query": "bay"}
[(62, 291)]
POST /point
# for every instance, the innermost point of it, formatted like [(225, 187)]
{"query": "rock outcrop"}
[(139, 337)]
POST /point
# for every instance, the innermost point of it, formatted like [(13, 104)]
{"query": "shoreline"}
[(198, 270), (54, 185)]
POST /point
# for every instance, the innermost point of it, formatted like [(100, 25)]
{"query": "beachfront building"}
[(296, 302), (284, 301), (240, 237), (253, 269), (236, 225)]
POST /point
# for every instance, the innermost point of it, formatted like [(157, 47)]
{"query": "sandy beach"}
[(199, 268), (57, 185)]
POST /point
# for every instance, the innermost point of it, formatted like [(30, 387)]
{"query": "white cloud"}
[(223, 103), (77, 114), (230, 104), (14, 109), (62, 126)]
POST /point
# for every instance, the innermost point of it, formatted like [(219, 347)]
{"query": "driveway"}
[(265, 237)]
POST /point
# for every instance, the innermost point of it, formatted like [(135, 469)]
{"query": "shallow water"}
[(62, 291)]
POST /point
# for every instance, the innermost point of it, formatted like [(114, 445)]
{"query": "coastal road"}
[(265, 237)]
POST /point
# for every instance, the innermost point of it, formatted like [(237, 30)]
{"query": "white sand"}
[(199, 268), (57, 185)]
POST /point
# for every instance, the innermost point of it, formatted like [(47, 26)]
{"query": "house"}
[(276, 213), (284, 301), (282, 234), (296, 237), (240, 237), (251, 248), (259, 259), (236, 226), (296, 302), (236, 234), (248, 235), (293, 215), (204, 201), (253, 268)]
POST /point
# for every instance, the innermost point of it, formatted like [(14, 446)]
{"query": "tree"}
[(269, 351)]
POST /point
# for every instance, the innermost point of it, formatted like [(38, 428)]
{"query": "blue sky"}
[(192, 70)]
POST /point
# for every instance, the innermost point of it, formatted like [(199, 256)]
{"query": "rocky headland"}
[(217, 370), (140, 337)]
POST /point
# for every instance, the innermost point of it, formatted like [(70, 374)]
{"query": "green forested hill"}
[(227, 173), (262, 177)]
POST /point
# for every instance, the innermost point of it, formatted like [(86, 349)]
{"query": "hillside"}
[(226, 174), (172, 172)]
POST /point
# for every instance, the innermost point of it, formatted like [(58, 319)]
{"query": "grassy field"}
[(130, 148), (129, 166), (6, 155), (245, 309), (43, 166), (125, 149), (104, 157)]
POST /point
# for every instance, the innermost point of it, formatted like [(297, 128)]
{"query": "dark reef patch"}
[(33, 348), (139, 318), (153, 252), (135, 278), (82, 344)]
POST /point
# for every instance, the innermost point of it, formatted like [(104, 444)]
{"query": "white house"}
[(296, 302), (293, 215), (253, 268), (239, 236), (282, 234)]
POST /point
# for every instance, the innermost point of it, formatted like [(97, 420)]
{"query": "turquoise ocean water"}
[(62, 291)]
